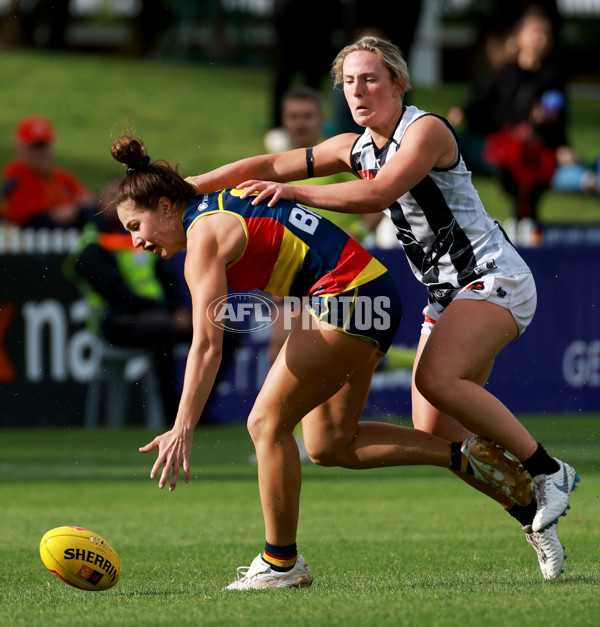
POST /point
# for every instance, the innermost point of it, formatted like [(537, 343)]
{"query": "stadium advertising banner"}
[(48, 356), (555, 365)]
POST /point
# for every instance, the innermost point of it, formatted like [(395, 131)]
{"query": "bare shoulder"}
[(340, 143), (216, 236), (430, 134), (335, 150), (430, 124)]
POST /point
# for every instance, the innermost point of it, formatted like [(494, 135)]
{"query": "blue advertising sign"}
[(48, 356), (553, 367)]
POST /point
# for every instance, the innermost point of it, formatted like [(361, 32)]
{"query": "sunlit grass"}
[(396, 546)]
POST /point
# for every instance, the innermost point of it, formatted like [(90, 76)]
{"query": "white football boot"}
[(491, 465), (552, 495), (550, 552), (260, 575)]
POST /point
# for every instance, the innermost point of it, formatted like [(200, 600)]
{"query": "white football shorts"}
[(516, 293)]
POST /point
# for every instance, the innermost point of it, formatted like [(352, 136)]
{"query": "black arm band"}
[(310, 163)]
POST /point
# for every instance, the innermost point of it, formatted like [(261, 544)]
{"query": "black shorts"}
[(370, 312)]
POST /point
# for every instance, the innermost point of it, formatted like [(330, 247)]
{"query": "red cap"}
[(35, 130)]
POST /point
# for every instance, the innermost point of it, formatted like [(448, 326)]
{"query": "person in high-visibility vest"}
[(136, 299)]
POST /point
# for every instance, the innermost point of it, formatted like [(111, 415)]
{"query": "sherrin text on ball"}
[(80, 558)]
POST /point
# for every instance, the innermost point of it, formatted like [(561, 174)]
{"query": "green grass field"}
[(401, 546)]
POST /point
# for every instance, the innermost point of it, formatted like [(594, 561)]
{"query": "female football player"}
[(232, 242), (481, 294)]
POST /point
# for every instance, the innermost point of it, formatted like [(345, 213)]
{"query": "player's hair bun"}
[(130, 151)]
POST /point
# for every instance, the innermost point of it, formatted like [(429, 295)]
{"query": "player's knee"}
[(323, 458), (435, 386), (257, 425), (265, 426), (327, 453)]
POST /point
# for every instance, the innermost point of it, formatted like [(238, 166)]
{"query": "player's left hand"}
[(267, 189), (174, 450)]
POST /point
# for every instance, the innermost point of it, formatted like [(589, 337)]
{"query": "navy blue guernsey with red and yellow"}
[(290, 250)]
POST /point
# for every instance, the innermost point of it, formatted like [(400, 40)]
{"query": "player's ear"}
[(165, 205), (399, 87)]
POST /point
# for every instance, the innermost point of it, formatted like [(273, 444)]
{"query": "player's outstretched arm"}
[(210, 248)]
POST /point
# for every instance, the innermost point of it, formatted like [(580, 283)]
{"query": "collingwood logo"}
[(442, 293)]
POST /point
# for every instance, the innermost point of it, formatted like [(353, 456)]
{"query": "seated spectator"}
[(515, 124), (37, 193)]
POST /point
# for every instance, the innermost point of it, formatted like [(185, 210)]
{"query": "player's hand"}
[(174, 450), (265, 190)]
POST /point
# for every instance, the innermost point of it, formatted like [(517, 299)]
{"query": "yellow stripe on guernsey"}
[(289, 260), (232, 213), (244, 226), (371, 271)]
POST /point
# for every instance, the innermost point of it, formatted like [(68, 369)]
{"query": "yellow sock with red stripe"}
[(280, 558)]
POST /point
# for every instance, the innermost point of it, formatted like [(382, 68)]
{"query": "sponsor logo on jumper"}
[(478, 286), (204, 204), (367, 174), (501, 292), (441, 293), (484, 267)]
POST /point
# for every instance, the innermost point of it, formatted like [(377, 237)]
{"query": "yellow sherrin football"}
[(80, 558)]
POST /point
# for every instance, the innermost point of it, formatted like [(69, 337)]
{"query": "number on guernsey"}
[(304, 219)]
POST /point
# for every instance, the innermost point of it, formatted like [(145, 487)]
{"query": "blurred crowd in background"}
[(453, 35), (451, 39), (518, 58)]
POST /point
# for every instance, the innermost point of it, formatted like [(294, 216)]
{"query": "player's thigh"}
[(335, 421), (465, 340), (430, 419), (313, 365), (279, 332)]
